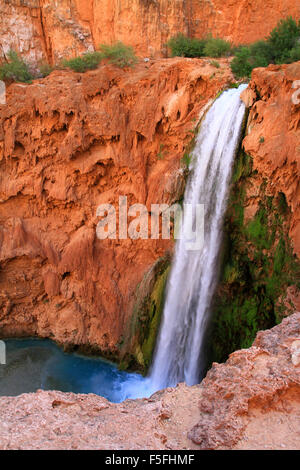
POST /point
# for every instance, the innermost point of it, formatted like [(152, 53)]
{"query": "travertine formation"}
[(250, 402), (50, 30), (69, 143), (253, 401), (273, 138)]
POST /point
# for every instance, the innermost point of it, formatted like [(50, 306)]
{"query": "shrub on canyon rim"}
[(182, 46), (45, 69), (15, 69), (119, 54), (295, 54), (283, 39), (282, 46), (217, 47), (88, 61)]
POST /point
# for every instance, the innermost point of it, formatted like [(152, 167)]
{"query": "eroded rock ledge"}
[(250, 402)]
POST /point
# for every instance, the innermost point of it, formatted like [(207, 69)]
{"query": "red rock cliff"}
[(51, 30), (273, 137), (68, 144)]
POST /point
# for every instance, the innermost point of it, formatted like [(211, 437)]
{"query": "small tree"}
[(283, 38), (45, 69), (295, 54), (89, 61), (15, 69), (217, 47), (282, 46), (119, 54), (182, 46), (240, 65)]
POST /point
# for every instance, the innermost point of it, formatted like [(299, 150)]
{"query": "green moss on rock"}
[(258, 265), (140, 338), (155, 313)]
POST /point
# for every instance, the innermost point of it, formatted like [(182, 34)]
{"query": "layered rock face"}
[(273, 137), (68, 144), (259, 282), (251, 402), (256, 393), (50, 30)]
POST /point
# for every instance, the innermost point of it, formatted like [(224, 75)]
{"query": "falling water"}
[(190, 288), (194, 273)]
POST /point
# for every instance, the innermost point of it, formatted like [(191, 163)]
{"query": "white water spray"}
[(194, 274), (178, 355)]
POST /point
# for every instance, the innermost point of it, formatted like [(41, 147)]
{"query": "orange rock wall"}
[(69, 143), (273, 138), (51, 30)]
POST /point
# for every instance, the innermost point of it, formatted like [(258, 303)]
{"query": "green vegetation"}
[(284, 39), (258, 266), (155, 313), (161, 154), (282, 46), (186, 159), (182, 46), (215, 63), (119, 55), (89, 61), (140, 337), (45, 69), (15, 69), (217, 47), (295, 54)]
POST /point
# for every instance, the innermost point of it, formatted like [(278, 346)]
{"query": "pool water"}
[(33, 364)]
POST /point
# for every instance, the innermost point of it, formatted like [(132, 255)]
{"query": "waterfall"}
[(194, 274)]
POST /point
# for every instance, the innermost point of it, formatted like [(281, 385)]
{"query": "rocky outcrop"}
[(69, 143), (251, 402), (50, 30), (273, 136), (259, 282)]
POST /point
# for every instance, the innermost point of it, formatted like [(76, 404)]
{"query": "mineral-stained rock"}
[(69, 143), (253, 401), (50, 30), (250, 402), (273, 138)]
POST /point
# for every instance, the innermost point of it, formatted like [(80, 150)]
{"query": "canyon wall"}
[(260, 272), (69, 143), (273, 137), (50, 30)]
